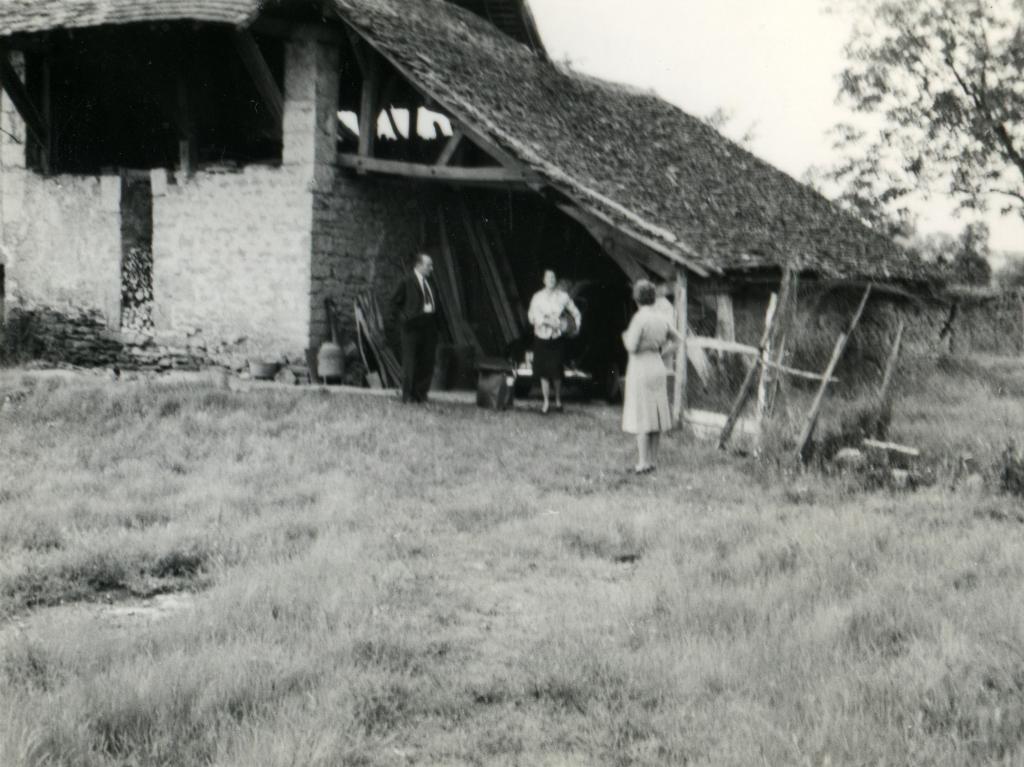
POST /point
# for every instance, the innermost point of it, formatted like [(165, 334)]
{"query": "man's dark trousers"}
[(419, 346)]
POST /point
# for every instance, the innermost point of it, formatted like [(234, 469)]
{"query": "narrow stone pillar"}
[(311, 105)]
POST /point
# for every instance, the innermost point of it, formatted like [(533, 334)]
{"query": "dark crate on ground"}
[(495, 389)]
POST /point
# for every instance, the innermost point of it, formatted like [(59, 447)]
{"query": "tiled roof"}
[(41, 15), (629, 155)]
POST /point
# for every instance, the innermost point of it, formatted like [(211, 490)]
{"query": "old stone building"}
[(199, 176)]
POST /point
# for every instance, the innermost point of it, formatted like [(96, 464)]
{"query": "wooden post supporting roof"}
[(188, 145), (747, 387), (262, 77), (679, 400), (11, 82), (368, 107)]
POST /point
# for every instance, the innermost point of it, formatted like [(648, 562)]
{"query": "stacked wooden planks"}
[(372, 339), (496, 274), (450, 287)]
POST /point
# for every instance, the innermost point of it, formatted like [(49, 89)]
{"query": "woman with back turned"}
[(645, 408)]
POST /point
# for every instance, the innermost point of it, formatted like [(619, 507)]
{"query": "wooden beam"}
[(34, 122), (491, 277), (765, 385), (358, 51), (262, 77), (892, 447), (46, 161), (645, 241), (450, 148), (819, 398), (446, 173), (725, 319), (747, 387), (604, 237), (447, 262), (295, 30), (506, 159), (392, 122), (734, 347), (188, 149), (368, 110), (764, 356), (679, 400), (630, 256), (812, 416), (489, 228), (790, 285)]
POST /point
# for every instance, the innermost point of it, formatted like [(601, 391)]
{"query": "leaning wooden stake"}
[(747, 387), (767, 375), (819, 398), (787, 324), (679, 391)]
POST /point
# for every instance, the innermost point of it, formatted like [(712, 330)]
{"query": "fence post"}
[(682, 324)]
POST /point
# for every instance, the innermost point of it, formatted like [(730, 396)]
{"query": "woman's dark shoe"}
[(559, 408)]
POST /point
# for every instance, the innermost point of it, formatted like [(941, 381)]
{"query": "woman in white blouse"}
[(645, 408), (548, 309)]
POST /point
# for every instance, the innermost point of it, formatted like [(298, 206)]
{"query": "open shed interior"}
[(143, 96), (500, 244)]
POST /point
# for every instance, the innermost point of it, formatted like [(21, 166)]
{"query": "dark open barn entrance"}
[(491, 249)]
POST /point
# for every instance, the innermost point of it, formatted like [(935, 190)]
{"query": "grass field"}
[(367, 584)]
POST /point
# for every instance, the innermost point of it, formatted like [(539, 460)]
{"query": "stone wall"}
[(231, 260), (60, 237), (364, 230), (232, 250), (62, 241)]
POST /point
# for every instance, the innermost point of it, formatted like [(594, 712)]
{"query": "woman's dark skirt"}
[(549, 358)]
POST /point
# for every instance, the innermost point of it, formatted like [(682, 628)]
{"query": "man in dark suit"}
[(415, 307)]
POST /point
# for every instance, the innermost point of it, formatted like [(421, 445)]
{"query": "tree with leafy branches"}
[(943, 80)]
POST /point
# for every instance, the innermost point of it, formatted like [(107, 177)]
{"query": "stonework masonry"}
[(242, 259), (60, 236), (363, 233), (231, 261), (232, 251), (62, 242)]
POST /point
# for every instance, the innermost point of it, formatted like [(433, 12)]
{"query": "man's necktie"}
[(428, 297)]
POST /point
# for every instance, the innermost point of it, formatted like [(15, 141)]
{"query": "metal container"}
[(330, 361)]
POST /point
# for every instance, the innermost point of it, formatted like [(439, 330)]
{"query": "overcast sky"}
[(772, 63)]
